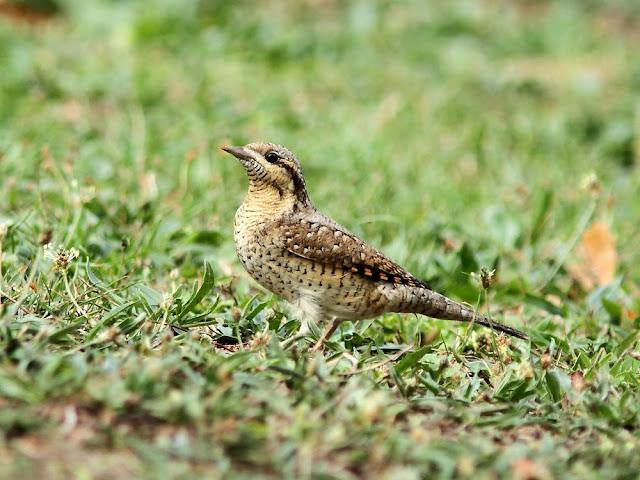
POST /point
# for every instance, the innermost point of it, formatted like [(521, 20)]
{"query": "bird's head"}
[(271, 167)]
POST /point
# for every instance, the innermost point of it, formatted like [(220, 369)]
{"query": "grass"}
[(454, 135)]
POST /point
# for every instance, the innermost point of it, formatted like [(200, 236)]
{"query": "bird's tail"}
[(435, 305)]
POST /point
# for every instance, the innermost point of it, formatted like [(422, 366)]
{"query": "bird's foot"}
[(326, 335)]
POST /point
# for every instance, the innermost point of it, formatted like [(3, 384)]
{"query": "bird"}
[(324, 271)]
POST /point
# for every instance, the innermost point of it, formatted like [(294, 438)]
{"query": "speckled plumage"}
[(326, 272)]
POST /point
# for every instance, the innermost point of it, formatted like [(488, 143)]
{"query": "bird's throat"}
[(269, 200)]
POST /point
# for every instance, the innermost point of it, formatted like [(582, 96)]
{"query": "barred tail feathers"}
[(438, 306)]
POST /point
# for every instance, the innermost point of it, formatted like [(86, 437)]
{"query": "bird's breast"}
[(261, 252)]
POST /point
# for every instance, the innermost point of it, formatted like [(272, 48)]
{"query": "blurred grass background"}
[(454, 135)]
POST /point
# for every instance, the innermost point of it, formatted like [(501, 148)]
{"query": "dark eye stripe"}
[(298, 181)]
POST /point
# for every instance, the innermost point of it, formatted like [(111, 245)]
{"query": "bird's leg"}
[(327, 333)]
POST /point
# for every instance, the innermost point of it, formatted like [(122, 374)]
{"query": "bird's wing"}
[(320, 239)]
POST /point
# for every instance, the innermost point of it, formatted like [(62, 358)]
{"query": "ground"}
[(455, 136)]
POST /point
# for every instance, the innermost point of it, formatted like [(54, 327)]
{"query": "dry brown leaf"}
[(598, 257)]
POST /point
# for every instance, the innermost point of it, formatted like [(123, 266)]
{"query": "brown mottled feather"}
[(320, 239)]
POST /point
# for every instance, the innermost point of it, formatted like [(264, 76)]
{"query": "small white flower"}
[(49, 251), (60, 256), (486, 277), (591, 183)]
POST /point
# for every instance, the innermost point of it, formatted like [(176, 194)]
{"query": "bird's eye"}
[(272, 157)]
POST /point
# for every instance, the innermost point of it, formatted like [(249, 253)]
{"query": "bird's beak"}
[(241, 153)]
